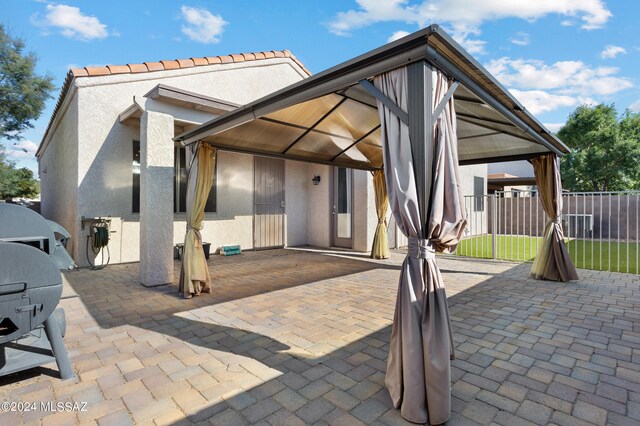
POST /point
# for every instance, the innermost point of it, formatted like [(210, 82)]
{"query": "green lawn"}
[(585, 254)]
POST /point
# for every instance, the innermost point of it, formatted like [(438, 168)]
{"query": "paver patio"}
[(295, 337)]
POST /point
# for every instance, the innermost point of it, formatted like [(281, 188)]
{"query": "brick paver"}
[(298, 336)]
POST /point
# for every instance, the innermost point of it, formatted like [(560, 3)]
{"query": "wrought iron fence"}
[(601, 229)]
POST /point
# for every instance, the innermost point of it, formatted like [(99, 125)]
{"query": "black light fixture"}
[(316, 180)]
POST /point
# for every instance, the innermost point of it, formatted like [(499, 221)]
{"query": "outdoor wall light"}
[(316, 180)]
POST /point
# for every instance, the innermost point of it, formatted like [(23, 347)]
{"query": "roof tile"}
[(259, 55), (170, 65), (269, 55), (185, 63), (213, 60), (154, 66), (96, 71), (237, 58), (79, 72), (119, 69), (136, 68), (249, 56), (278, 54), (199, 61)]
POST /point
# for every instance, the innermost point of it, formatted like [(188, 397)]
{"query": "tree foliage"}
[(605, 149), (23, 93), (16, 183)]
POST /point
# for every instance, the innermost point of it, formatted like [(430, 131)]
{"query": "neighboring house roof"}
[(165, 65)]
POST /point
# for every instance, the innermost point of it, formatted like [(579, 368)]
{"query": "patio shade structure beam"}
[(446, 65), (356, 142), (333, 134), (464, 118), (373, 91)]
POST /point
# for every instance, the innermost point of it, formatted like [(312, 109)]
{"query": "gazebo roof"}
[(331, 118)]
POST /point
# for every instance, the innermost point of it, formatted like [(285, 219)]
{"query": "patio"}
[(301, 336)]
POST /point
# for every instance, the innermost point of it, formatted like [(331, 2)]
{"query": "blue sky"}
[(552, 54)]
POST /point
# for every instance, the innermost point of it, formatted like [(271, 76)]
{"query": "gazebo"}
[(411, 111)]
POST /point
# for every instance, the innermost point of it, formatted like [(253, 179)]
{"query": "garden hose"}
[(99, 238)]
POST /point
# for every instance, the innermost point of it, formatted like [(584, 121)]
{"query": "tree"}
[(605, 149), (14, 182), (23, 93)]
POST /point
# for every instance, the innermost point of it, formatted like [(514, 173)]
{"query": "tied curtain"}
[(553, 261), (194, 274), (380, 247), (419, 369)]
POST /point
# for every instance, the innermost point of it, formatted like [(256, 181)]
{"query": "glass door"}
[(342, 207)]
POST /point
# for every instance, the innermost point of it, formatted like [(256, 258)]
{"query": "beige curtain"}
[(553, 261), (380, 247), (419, 368), (194, 274)]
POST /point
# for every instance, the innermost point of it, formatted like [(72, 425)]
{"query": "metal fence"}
[(601, 229)]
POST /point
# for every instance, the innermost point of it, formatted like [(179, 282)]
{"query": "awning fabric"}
[(331, 118), (552, 261), (428, 207)]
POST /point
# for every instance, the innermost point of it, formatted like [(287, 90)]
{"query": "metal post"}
[(420, 134), (494, 225)]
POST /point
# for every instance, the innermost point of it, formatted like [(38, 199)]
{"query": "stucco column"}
[(156, 199)]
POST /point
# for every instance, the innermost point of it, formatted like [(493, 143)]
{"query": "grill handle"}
[(13, 288)]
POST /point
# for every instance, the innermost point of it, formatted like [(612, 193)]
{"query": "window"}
[(135, 170), (478, 193), (180, 182)]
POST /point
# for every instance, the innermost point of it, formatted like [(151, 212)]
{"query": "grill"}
[(32, 253)]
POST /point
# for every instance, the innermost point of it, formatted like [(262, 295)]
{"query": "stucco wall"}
[(103, 157), (58, 169), (319, 210), (233, 222), (517, 168), (297, 186), (364, 210)]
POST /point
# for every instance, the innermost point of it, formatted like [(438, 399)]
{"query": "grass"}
[(587, 254)]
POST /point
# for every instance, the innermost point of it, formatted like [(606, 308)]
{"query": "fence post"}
[(494, 225)]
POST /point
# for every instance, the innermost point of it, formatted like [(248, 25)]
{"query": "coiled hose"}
[(99, 238)]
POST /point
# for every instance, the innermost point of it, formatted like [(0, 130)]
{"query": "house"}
[(110, 122)]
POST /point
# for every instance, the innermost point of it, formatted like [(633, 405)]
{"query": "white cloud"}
[(635, 107), (72, 23), (464, 17), (22, 149), (539, 101), (202, 26), (542, 87), (397, 35), (553, 127), (520, 39), (612, 51), (567, 77)]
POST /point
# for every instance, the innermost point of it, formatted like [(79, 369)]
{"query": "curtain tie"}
[(381, 221), (557, 220), (421, 249)]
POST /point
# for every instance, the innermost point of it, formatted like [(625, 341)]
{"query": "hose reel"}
[(98, 239)]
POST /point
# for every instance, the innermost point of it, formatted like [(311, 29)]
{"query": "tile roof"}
[(95, 71), (183, 63)]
